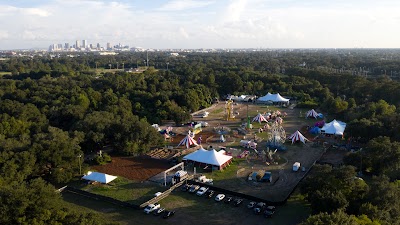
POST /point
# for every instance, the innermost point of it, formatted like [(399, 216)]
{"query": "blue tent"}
[(315, 130), (254, 176)]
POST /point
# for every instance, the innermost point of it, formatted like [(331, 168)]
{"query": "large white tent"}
[(259, 118), (297, 136), (209, 157), (272, 98), (312, 113), (335, 127), (99, 177), (188, 141)]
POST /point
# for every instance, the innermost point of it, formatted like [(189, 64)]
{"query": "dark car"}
[(168, 214), (237, 202), (259, 208), (257, 211), (158, 212), (186, 187), (194, 188), (228, 200), (210, 194)]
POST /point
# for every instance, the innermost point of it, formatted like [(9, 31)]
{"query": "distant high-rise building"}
[(84, 44), (108, 45), (98, 46), (66, 46), (91, 46), (77, 45)]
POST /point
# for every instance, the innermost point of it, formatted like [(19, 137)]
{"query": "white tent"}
[(312, 113), (259, 118), (335, 127), (273, 98), (210, 157), (297, 136), (99, 177), (188, 141)]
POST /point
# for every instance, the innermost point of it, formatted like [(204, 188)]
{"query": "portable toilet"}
[(296, 166)]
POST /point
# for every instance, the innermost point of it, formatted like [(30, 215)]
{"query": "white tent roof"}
[(188, 141), (312, 113), (99, 177), (273, 98), (210, 157), (297, 136), (334, 127)]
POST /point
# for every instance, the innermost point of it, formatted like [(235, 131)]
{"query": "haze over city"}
[(201, 24)]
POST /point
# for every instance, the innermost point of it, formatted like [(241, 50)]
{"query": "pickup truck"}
[(150, 208)]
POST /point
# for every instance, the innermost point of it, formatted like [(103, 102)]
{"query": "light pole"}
[(167, 65), (80, 165)]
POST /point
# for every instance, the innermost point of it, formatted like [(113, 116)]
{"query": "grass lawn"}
[(191, 209), (126, 190), (217, 111)]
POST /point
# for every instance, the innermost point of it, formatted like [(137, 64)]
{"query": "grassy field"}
[(4, 73), (191, 209), (126, 190)]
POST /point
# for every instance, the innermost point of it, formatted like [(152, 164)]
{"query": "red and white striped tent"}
[(259, 118), (312, 113), (187, 141), (297, 136)]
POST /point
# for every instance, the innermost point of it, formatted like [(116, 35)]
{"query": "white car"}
[(201, 191), (219, 197), (150, 208)]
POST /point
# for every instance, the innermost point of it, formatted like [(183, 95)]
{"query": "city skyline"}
[(175, 24)]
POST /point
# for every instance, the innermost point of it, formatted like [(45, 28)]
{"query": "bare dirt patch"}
[(133, 168)]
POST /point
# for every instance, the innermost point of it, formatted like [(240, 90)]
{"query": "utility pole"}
[(167, 65), (80, 165)]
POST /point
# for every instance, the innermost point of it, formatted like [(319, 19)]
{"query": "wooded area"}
[(54, 109)]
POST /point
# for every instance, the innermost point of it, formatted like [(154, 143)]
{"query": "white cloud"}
[(177, 5)]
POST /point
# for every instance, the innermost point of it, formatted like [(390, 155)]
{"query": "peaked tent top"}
[(211, 157), (99, 177), (297, 136), (312, 113), (273, 98), (334, 127), (188, 141)]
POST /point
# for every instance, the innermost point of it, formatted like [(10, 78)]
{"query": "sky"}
[(166, 24)]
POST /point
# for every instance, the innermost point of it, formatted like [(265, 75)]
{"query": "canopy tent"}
[(210, 157), (312, 113), (259, 118), (188, 141), (99, 177), (297, 136), (272, 98), (335, 127)]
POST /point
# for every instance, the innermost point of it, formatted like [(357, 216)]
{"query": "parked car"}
[(259, 208), (270, 208), (228, 199), (150, 208), (202, 191), (157, 194), (194, 188), (210, 194), (159, 211), (251, 205), (237, 202), (219, 197), (268, 213), (186, 187), (168, 214)]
